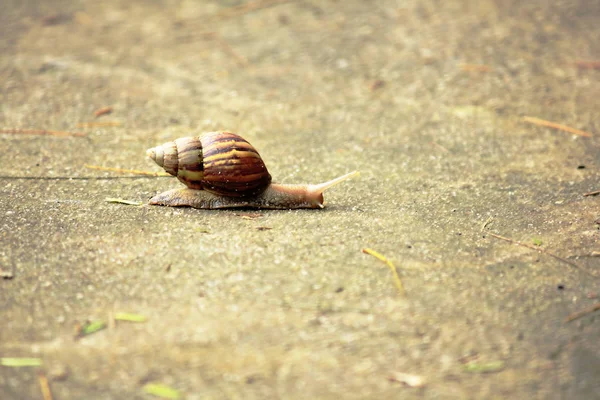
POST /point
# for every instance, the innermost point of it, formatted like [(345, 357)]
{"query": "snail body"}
[(223, 170)]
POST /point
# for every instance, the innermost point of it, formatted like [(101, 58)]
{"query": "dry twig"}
[(99, 124), (247, 7), (536, 248), (594, 193), (554, 125), (43, 132), (583, 312)]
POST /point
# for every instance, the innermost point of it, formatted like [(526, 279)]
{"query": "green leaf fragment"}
[(20, 362), (482, 368), (93, 327), (163, 391), (123, 201), (537, 242), (123, 316)]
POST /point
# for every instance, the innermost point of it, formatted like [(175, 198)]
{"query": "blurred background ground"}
[(425, 98)]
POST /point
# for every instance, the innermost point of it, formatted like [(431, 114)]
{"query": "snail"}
[(222, 170)]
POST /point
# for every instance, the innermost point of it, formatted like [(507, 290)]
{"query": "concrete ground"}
[(425, 98)]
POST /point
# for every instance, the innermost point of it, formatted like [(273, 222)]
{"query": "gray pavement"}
[(425, 98)]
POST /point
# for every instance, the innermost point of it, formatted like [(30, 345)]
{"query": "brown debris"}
[(594, 193), (6, 274), (58, 372), (582, 64), (103, 111), (376, 84)]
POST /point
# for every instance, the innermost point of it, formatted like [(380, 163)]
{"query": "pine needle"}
[(98, 124), (126, 171), (45, 386), (555, 125), (392, 267)]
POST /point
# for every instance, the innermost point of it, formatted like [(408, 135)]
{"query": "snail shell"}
[(222, 163)]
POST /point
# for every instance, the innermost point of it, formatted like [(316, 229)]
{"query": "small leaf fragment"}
[(92, 327), (483, 368), (163, 391), (537, 241), (20, 361), (123, 316)]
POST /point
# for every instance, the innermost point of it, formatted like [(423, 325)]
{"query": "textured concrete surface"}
[(296, 311)]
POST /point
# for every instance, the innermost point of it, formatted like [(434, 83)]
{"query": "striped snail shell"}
[(223, 170), (222, 163)]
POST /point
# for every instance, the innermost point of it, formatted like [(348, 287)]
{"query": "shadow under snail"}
[(223, 170)]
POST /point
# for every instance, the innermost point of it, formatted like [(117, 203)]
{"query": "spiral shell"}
[(219, 162)]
